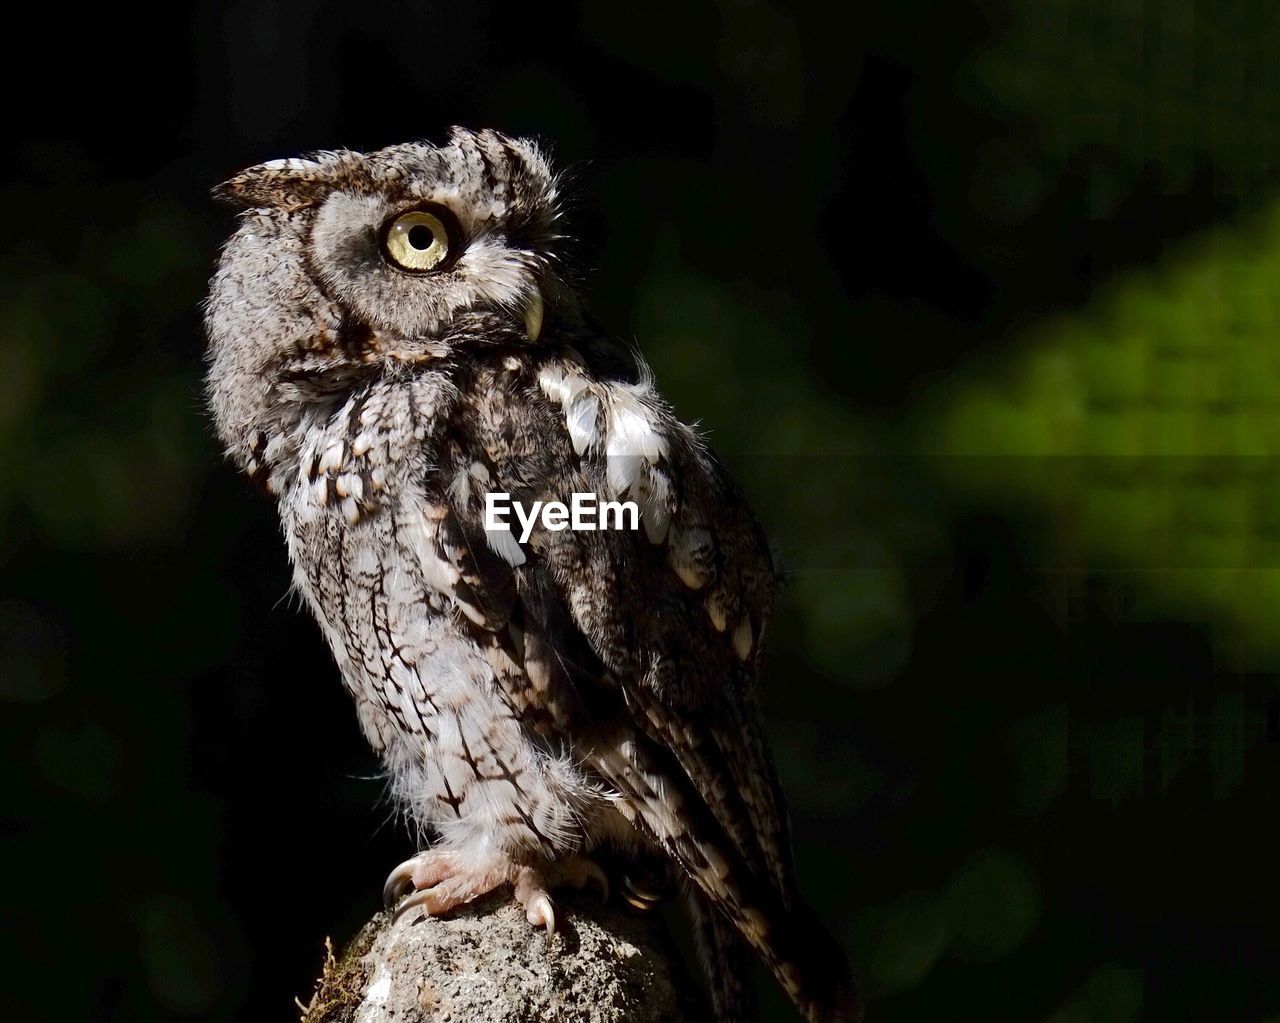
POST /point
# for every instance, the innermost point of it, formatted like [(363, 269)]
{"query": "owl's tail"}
[(726, 961), (735, 903), (796, 947), (807, 962)]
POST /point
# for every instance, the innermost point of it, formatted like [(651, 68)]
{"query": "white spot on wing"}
[(656, 516), (460, 489), (655, 505), (581, 420), (689, 553), (332, 457), (503, 543), (630, 429), (559, 384)]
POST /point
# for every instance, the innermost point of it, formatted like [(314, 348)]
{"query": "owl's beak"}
[(533, 309)]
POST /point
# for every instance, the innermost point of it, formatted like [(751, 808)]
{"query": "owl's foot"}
[(441, 880), (422, 871), (444, 880)]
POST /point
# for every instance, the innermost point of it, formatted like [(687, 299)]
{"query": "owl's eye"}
[(417, 241)]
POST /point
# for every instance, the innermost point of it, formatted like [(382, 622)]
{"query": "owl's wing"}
[(638, 649)]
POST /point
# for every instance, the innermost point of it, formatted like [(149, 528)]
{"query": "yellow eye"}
[(416, 241)]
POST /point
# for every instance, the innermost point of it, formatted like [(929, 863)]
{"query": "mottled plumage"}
[(533, 702)]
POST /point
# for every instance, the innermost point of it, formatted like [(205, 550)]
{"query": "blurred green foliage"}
[(1145, 425)]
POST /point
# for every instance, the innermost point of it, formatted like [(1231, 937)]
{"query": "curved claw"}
[(646, 886), (398, 882), (418, 898), (427, 868), (541, 912)]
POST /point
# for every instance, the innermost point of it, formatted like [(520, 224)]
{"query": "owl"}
[(394, 337)]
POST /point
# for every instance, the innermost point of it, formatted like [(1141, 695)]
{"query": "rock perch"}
[(486, 964)]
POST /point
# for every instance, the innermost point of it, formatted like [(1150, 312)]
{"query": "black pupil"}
[(420, 237)]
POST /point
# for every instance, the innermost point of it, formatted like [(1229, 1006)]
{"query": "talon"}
[(398, 882), (647, 885), (541, 913), (418, 898), (424, 870), (440, 880)]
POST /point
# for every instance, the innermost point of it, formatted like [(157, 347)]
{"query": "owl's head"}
[(348, 261)]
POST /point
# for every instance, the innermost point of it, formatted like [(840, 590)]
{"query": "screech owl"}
[(395, 335)]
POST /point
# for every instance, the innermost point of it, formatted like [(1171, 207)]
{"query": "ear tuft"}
[(458, 135), (288, 184)]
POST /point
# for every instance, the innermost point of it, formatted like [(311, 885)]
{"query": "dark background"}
[(979, 301)]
